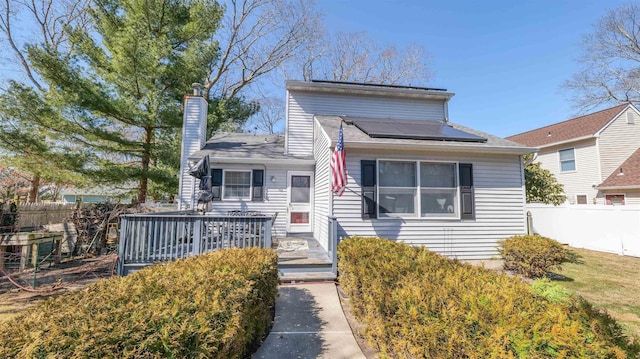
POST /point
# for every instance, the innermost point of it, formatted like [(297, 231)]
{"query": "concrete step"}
[(306, 272), (298, 277)]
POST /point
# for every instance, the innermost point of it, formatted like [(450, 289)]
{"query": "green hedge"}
[(418, 304), (216, 305), (532, 255)]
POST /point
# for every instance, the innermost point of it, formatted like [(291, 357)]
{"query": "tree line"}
[(97, 98)]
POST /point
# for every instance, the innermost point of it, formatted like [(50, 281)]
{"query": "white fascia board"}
[(448, 148), (567, 141), (356, 89), (293, 161), (617, 187), (597, 134), (323, 132)]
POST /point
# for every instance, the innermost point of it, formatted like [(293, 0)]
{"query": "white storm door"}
[(300, 199)]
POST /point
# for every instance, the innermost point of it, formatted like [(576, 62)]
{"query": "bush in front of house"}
[(217, 305), (532, 255), (417, 304)]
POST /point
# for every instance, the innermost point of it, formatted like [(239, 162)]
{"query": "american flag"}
[(338, 166)]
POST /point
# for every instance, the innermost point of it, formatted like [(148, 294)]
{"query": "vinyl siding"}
[(194, 128), (275, 195), (499, 206), (322, 196), (618, 141), (581, 180), (302, 106)]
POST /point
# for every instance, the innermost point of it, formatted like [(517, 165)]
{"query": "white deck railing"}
[(147, 238)]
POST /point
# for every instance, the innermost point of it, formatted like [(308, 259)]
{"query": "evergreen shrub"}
[(532, 255), (417, 304), (217, 305)]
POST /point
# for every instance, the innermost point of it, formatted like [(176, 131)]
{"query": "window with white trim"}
[(397, 189), (581, 199), (236, 185), (438, 190), (567, 160), (418, 189)]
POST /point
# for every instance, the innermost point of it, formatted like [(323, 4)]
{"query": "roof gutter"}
[(243, 160), (355, 89), (617, 187), (439, 147), (576, 139)]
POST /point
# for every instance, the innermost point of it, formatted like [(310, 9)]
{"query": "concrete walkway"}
[(309, 323)]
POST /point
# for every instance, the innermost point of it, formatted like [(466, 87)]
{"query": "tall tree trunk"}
[(146, 158), (35, 187)]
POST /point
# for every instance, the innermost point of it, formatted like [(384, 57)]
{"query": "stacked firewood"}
[(92, 223)]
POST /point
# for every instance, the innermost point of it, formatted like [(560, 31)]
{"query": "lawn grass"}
[(609, 282)]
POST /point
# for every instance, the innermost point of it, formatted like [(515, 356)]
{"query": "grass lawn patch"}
[(608, 281)]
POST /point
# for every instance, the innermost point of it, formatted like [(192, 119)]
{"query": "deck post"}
[(267, 233), (197, 236), (121, 244), (333, 243)]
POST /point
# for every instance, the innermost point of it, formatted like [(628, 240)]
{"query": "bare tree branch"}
[(610, 62), (257, 37), (52, 16), (355, 57), (270, 116)]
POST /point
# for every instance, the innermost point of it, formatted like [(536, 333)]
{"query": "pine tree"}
[(120, 92)]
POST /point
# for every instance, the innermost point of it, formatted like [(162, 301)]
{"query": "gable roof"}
[(627, 175), (356, 138), (579, 127)]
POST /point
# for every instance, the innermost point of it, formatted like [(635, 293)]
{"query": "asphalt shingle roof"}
[(244, 146), (354, 136), (627, 174), (587, 125)]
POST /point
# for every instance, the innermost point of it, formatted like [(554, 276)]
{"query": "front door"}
[(300, 198)]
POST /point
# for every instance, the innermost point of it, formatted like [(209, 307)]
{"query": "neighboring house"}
[(594, 156), (412, 175), (94, 195)]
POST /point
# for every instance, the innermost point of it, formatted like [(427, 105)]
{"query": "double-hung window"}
[(567, 160), (236, 185), (397, 194), (415, 189), (438, 190)]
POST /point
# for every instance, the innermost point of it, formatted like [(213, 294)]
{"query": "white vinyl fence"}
[(614, 229)]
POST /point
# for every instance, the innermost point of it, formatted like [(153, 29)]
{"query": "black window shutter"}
[(467, 201), (258, 185), (368, 178), (216, 183)]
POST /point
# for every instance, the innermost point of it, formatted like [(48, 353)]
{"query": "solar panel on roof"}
[(412, 129)]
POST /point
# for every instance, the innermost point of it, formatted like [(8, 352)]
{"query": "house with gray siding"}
[(412, 174), (596, 157)]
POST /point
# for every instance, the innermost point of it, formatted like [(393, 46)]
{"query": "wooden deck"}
[(157, 237)]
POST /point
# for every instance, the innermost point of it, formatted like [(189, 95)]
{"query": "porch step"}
[(307, 277), (299, 235), (305, 273)]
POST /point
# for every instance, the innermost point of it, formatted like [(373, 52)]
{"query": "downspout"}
[(446, 110)]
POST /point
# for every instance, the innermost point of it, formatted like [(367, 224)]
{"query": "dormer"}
[(306, 99)]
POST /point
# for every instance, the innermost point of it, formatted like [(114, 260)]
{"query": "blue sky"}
[(505, 60)]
